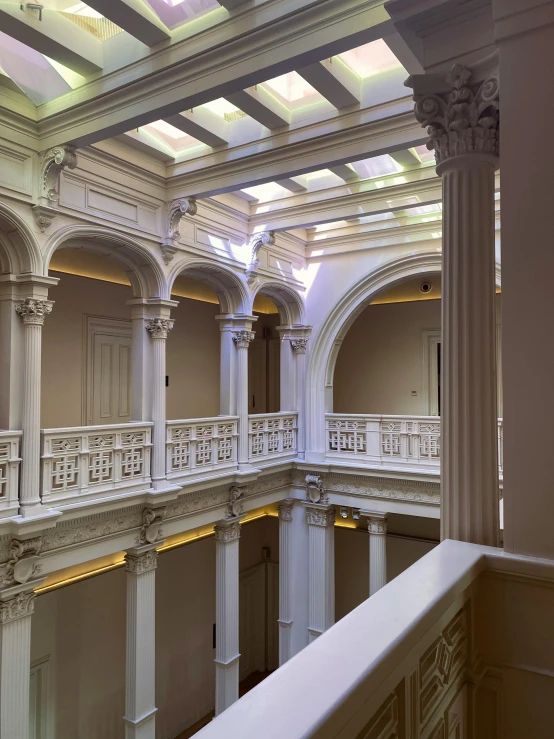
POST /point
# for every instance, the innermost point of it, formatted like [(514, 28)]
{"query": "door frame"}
[(429, 389), (93, 325)]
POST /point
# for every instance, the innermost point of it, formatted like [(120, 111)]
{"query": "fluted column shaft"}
[(469, 452), (321, 569), (32, 313), (227, 536), (377, 529), (285, 579), (242, 340), (158, 329), (140, 691), (299, 348), (16, 609)]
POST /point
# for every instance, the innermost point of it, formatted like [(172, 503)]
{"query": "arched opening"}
[(264, 358)]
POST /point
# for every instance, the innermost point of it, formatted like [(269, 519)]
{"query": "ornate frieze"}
[(23, 604), (285, 509), (464, 120), (243, 338), (236, 494), (138, 564), (299, 345), (151, 529), (158, 328), (23, 561), (33, 311), (320, 516), (227, 532), (176, 210)]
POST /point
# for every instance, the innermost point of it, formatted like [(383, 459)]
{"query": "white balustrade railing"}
[(403, 441), (271, 436), (9, 472), (201, 444), (89, 462)]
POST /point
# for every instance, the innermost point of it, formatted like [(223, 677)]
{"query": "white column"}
[(321, 568), (242, 339), (463, 127), (158, 329), (286, 567), (377, 529), (16, 608), (227, 382), (141, 362), (299, 348), (32, 312), (140, 707), (227, 536)]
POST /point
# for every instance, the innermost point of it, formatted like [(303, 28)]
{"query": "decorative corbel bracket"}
[(177, 209), (23, 562), (151, 529), (257, 240), (314, 489), (236, 496), (51, 166)]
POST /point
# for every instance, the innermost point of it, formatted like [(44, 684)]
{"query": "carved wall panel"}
[(16, 169)]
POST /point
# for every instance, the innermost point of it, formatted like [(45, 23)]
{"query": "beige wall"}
[(192, 351), (380, 362)]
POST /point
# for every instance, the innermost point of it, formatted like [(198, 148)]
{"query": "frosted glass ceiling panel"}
[(175, 12), (371, 59), (376, 167), (293, 89)]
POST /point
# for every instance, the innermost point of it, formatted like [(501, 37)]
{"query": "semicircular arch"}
[(19, 250), (144, 271), (292, 311), (230, 289)]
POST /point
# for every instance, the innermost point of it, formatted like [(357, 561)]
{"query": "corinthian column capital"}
[(33, 311), (243, 338), (461, 117), (158, 328)]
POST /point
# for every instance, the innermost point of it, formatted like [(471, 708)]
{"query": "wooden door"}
[(111, 378)]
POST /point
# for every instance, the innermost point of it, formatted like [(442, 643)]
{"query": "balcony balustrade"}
[(90, 462), (201, 445), (272, 436), (388, 441), (9, 472)]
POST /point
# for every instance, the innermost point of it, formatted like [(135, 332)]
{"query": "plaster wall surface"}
[(193, 348)]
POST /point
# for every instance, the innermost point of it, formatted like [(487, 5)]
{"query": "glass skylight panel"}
[(426, 156), (85, 17), (292, 89), (267, 192), (224, 109), (423, 210), (376, 167), (167, 134), (176, 12), (371, 59), (322, 179)]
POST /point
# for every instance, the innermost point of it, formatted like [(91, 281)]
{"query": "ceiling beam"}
[(345, 172), (291, 185), (335, 81), (231, 4), (367, 137), (54, 36), (211, 65), (134, 17), (201, 124), (261, 106), (406, 159), (352, 205)]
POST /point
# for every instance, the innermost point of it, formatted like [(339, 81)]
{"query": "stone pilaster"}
[(227, 537), (463, 128), (321, 568), (286, 568), (242, 339), (32, 312), (140, 694), (377, 529)]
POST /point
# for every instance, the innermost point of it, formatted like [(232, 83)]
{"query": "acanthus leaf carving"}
[(285, 509), (158, 328), (23, 561), (320, 515), (33, 311), (299, 345), (52, 164), (257, 240), (23, 604), (243, 338), (464, 120), (138, 564), (227, 532), (176, 210), (236, 495)]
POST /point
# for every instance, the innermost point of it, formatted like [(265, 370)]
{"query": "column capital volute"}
[(318, 514), (285, 509), (33, 311), (461, 114), (227, 531), (141, 559), (376, 521), (243, 338), (158, 328)]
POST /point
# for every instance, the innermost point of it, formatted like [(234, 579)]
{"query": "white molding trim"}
[(429, 386)]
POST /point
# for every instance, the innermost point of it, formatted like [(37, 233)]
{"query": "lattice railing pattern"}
[(9, 471), (271, 435), (201, 444), (94, 460), (395, 440)]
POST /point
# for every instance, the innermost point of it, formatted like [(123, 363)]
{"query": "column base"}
[(313, 634), (226, 683), (141, 728)]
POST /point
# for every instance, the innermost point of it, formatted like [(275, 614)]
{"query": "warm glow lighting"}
[(77, 578)]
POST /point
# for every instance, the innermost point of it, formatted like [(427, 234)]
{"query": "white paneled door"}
[(109, 372)]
